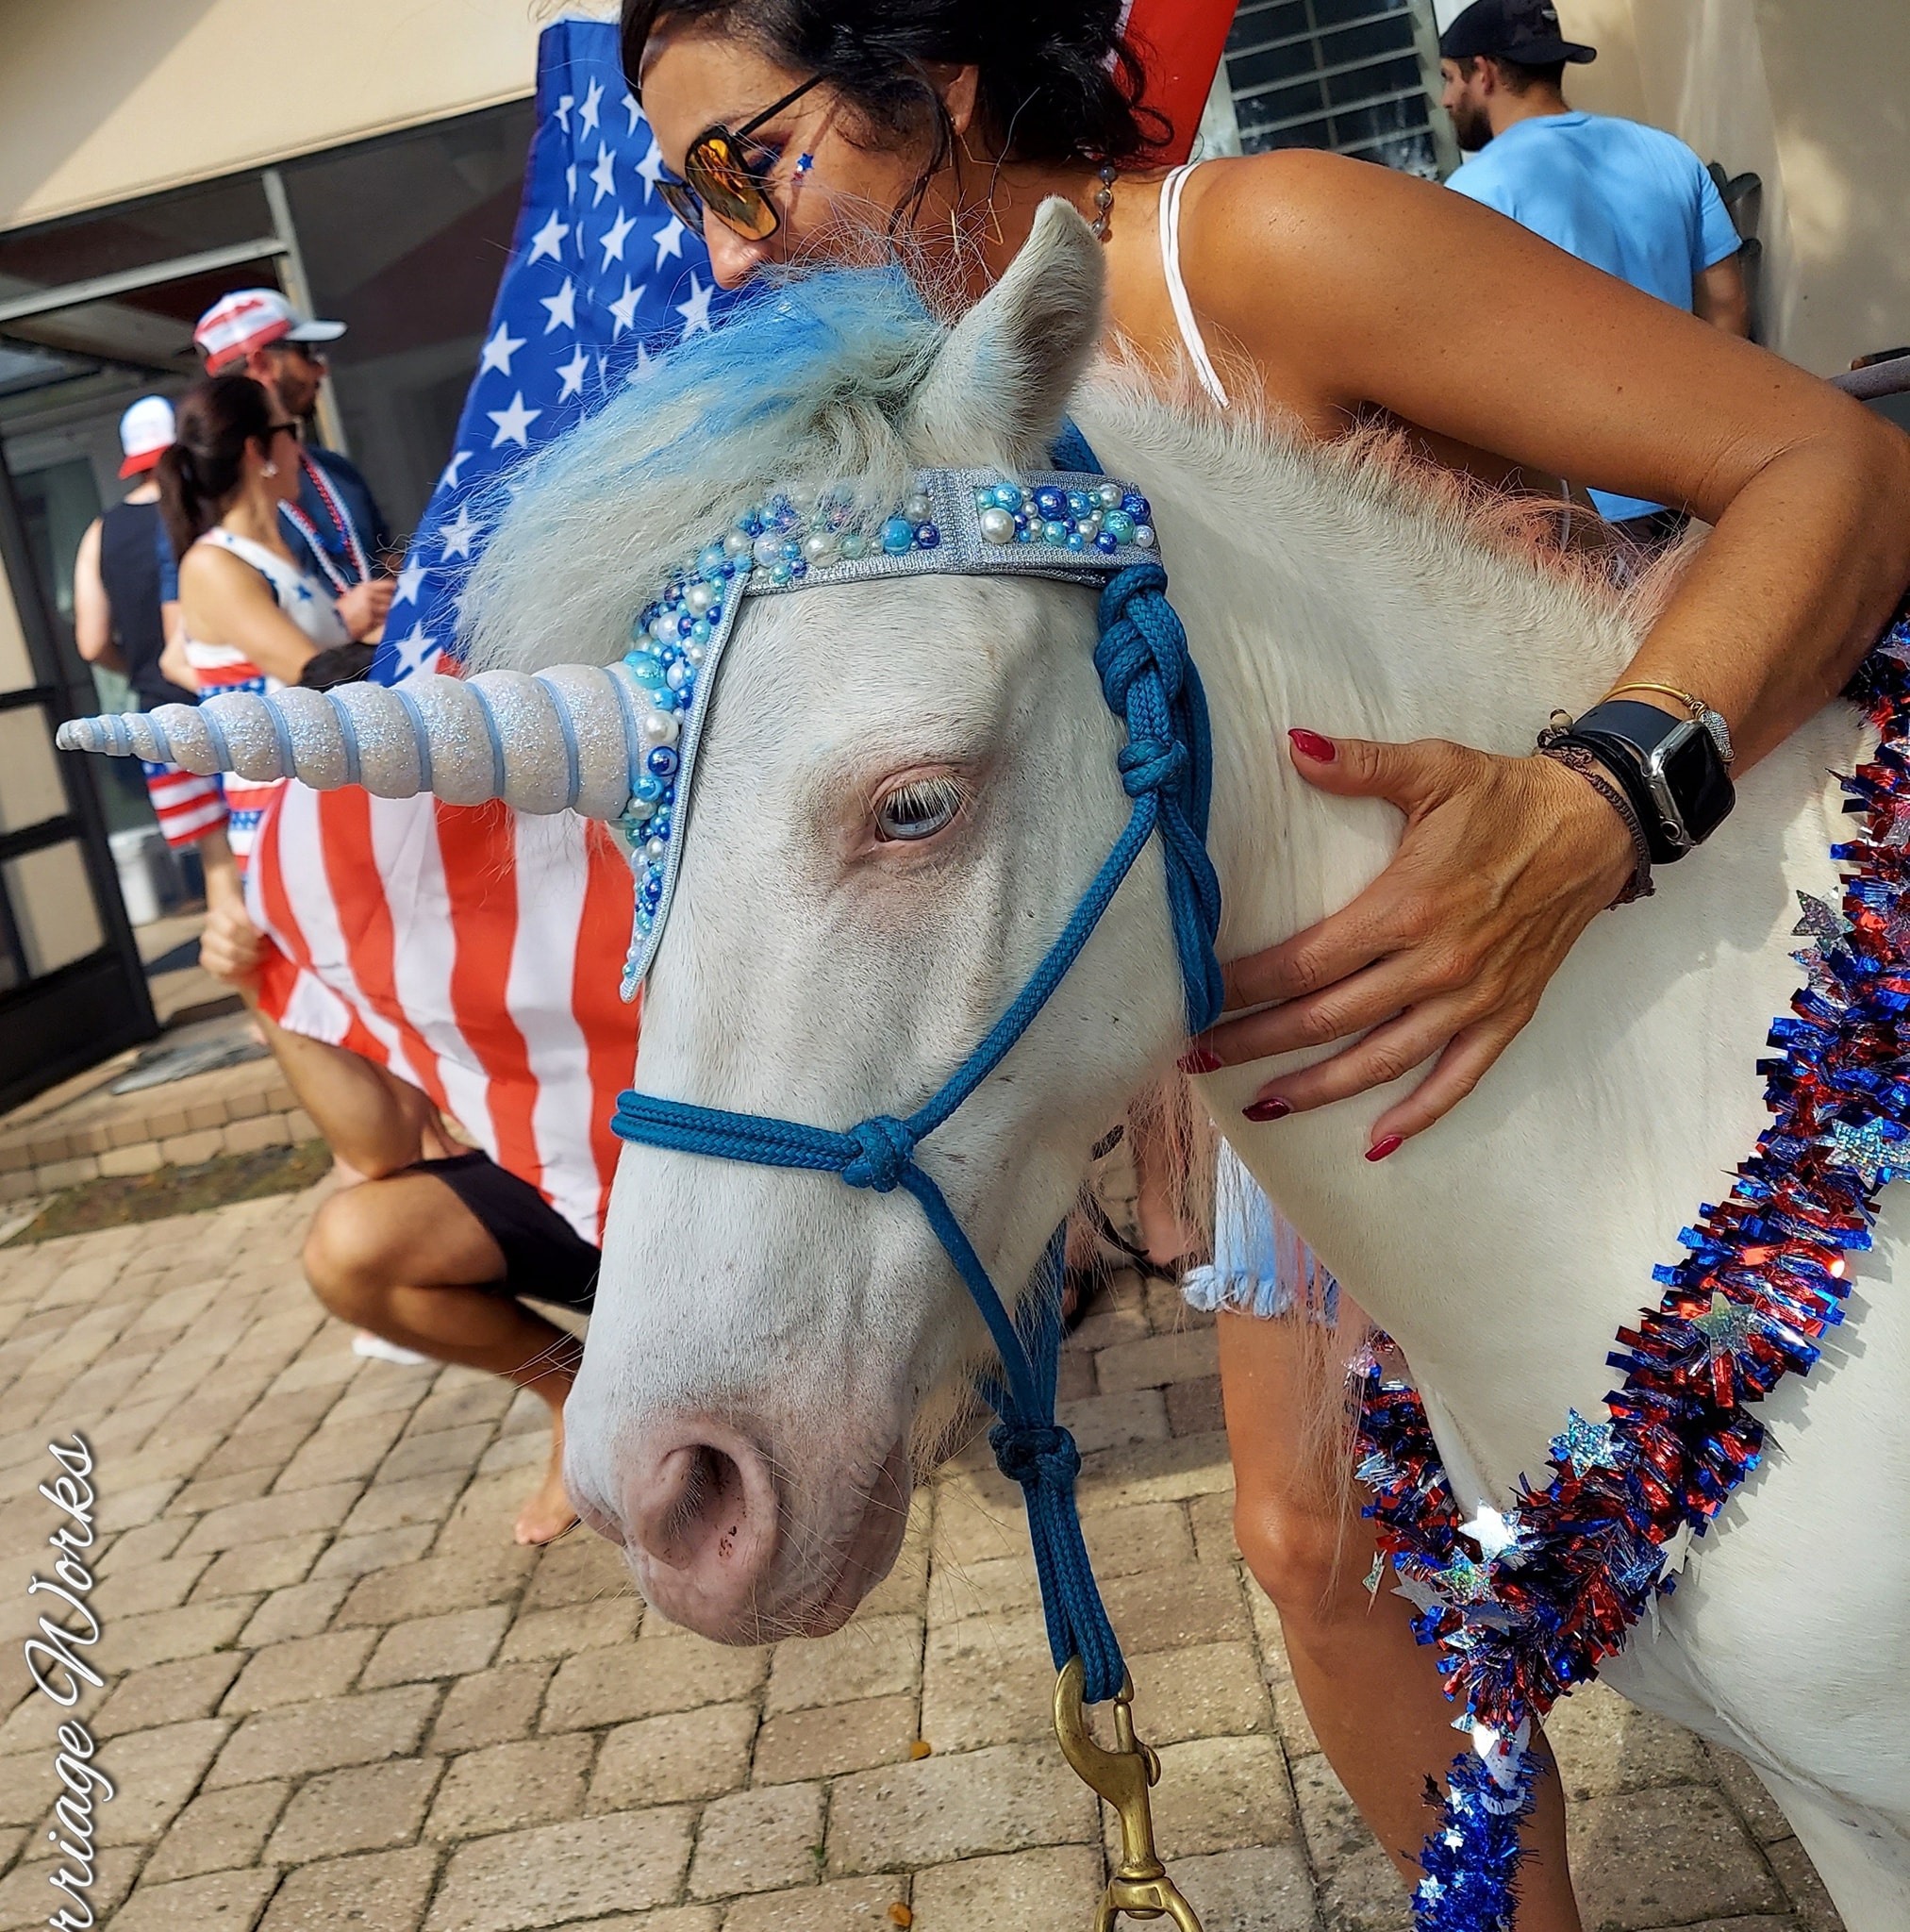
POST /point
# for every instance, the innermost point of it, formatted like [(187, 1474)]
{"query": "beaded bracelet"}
[(1639, 885)]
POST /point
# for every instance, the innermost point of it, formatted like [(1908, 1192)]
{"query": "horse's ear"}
[(1004, 379)]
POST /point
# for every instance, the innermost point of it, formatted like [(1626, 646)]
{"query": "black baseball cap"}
[(1521, 30)]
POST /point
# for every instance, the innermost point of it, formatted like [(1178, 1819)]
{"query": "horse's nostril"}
[(705, 1505)]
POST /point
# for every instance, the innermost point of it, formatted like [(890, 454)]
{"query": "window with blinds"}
[(1352, 75)]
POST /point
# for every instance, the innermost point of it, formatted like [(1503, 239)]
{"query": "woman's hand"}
[(231, 948), (1502, 863)]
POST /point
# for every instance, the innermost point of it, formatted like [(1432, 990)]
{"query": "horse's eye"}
[(919, 808)]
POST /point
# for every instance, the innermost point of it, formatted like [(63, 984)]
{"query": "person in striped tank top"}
[(254, 619)]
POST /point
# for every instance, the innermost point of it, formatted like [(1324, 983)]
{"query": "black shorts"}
[(544, 1256)]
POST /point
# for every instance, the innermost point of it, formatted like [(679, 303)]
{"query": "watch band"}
[(1700, 712), (1669, 768)]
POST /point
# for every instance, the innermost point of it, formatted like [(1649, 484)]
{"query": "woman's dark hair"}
[(1059, 82), (213, 422)]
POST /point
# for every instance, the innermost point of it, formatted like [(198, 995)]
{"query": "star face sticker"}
[(1869, 1152), (549, 240), (1587, 1445), (513, 423), (1821, 922), (1727, 1326)]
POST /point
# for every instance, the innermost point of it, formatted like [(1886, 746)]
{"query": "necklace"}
[(1104, 201)]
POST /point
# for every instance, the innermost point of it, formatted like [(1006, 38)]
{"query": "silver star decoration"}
[(1587, 1446), (1823, 982), (1821, 921), (1375, 1574), (1727, 1326), (1869, 1152), (1497, 1535), (1463, 1581)]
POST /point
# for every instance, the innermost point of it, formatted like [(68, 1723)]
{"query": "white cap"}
[(249, 319), (145, 434)]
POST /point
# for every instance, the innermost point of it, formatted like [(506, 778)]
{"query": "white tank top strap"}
[(300, 595), (1170, 221)]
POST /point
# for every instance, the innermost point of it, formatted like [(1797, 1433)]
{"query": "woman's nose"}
[(732, 259)]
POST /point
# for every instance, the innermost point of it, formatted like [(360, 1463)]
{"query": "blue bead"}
[(1135, 504), (1008, 495), (1050, 502), (715, 615), (779, 572), (927, 537), (1105, 544), (898, 535), (1119, 525), (662, 761), (647, 788), (1076, 541), (1026, 534), (684, 625), (1078, 504), (1054, 533), (699, 631), (800, 568)]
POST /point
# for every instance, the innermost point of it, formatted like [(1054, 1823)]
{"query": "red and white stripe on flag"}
[(472, 950), (1180, 44)]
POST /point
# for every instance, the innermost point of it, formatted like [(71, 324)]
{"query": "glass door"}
[(71, 988)]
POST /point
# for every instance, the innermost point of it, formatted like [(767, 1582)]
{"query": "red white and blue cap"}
[(250, 319), (145, 434)]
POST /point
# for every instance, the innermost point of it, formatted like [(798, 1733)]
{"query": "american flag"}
[(474, 951)]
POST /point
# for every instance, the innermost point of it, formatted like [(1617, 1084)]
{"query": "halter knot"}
[(888, 1147), (1151, 764), (1028, 1452)]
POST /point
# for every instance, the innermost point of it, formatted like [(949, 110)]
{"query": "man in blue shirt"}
[(1629, 199)]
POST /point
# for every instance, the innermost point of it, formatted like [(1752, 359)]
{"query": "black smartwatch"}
[(1671, 769)]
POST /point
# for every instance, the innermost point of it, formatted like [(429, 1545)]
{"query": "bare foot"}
[(548, 1513)]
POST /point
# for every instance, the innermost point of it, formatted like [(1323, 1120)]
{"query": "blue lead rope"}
[(1167, 768)]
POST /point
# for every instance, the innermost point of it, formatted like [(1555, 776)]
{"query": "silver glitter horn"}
[(576, 736)]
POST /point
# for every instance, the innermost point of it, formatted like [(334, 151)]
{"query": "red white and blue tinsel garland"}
[(1525, 1604)]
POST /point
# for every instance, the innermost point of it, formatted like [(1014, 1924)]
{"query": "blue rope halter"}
[(1167, 769)]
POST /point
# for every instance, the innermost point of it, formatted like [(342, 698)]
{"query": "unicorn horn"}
[(576, 736)]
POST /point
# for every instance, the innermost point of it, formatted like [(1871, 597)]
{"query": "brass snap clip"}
[(1141, 1886)]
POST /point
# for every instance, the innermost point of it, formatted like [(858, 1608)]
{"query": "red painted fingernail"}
[(1273, 1108), (1197, 1060), (1392, 1144), (1309, 745)]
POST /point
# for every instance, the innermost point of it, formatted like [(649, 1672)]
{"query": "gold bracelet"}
[(1700, 712)]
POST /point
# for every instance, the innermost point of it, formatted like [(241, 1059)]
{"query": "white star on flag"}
[(645, 361), (562, 306), (612, 242), (624, 307), (499, 349), (572, 375), (447, 478), (586, 114), (668, 240), (549, 240), (631, 108), (460, 533), (571, 180), (651, 168), (695, 312), (604, 174), (513, 423), (565, 103), (410, 581), (414, 650)]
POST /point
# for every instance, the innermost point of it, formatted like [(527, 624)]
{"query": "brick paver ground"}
[(338, 1696)]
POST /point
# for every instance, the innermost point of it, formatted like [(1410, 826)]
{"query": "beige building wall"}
[(101, 100), (1809, 95)]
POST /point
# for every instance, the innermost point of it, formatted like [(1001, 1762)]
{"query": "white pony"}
[(772, 1353)]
